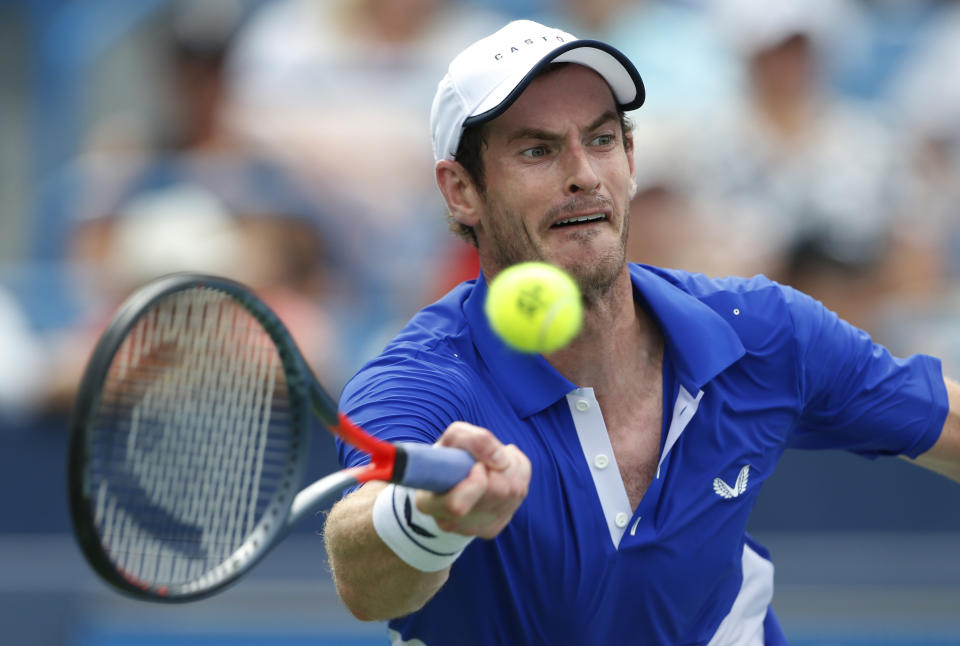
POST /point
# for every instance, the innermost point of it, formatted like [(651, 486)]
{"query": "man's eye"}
[(536, 151), (603, 140)]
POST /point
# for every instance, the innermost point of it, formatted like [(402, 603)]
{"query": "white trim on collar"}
[(598, 452), (683, 410), (601, 461)]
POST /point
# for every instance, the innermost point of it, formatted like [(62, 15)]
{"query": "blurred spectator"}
[(22, 369), (199, 200), (926, 100), (685, 65), (341, 89), (675, 225), (879, 37), (823, 173)]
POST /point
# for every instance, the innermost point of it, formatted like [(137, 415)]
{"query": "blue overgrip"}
[(435, 468)]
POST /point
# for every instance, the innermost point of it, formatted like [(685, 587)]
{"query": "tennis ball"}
[(534, 307)]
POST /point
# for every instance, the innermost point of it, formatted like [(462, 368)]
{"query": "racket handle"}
[(435, 468)]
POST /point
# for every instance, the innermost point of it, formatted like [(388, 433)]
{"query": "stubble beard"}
[(511, 243)]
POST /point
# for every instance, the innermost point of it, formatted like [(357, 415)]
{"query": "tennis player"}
[(615, 477)]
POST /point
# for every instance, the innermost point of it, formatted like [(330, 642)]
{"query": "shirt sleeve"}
[(855, 395), (409, 399)]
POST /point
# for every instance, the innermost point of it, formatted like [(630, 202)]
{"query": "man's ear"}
[(460, 192)]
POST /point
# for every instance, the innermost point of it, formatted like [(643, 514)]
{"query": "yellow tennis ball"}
[(534, 307)]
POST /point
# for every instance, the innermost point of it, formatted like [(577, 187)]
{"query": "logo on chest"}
[(727, 491)]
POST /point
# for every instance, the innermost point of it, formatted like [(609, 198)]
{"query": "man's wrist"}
[(413, 535)]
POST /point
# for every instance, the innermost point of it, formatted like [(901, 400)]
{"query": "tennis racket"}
[(191, 435)]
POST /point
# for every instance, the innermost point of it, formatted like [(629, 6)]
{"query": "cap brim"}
[(610, 63)]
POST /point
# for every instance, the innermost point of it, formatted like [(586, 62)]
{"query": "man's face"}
[(558, 180)]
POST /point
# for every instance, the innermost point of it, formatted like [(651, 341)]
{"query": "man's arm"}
[(944, 456), (374, 583)]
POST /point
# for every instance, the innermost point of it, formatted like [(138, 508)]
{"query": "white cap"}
[(488, 76)]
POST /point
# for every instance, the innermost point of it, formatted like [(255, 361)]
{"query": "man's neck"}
[(618, 340)]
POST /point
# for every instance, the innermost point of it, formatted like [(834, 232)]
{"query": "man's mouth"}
[(579, 220)]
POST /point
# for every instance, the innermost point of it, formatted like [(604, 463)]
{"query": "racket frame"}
[(413, 464), (273, 524)]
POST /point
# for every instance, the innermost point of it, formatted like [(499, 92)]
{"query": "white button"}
[(582, 405), (601, 461), (621, 520)]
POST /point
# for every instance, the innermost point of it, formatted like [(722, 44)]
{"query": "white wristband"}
[(412, 534)]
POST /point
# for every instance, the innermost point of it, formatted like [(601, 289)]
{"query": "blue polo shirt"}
[(750, 368)]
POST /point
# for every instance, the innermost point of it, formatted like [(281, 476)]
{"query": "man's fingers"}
[(458, 501), (485, 501), (479, 442)]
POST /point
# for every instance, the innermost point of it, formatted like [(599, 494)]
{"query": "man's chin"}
[(596, 276)]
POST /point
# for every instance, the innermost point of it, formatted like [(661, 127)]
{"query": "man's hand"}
[(374, 583), (485, 501)]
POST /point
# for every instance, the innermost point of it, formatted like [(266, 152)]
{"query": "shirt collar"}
[(700, 342)]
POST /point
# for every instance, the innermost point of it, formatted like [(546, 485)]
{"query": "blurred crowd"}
[(287, 146)]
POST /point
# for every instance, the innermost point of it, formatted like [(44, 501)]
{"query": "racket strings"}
[(193, 436)]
